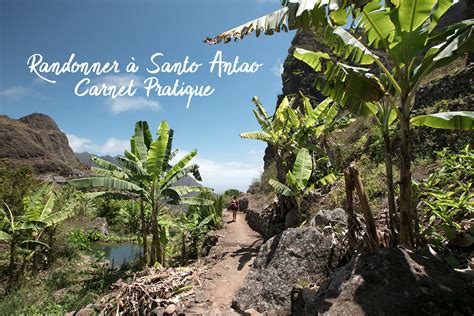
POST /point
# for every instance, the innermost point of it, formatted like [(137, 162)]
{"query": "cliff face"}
[(298, 77), (37, 141)]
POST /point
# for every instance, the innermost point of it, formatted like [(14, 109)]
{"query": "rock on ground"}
[(325, 218), (297, 256), (99, 224), (393, 282)]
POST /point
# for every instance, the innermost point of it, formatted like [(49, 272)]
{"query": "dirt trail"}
[(230, 262)]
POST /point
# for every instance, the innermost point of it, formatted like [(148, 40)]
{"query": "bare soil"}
[(226, 267)]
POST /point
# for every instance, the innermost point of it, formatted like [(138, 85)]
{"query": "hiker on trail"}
[(234, 206)]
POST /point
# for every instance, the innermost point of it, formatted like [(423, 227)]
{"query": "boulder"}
[(99, 224), (210, 241), (392, 281), (325, 218), (265, 221), (243, 204), (296, 256)]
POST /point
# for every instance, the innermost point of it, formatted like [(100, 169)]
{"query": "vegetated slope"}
[(37, 141)]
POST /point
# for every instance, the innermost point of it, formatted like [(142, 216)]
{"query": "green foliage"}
[(17, 181), (447, 196), (79, 240), (297, 181), (24, 230), (145, 174), (109, 208)]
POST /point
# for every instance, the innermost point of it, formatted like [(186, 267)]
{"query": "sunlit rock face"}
[(37, 141)]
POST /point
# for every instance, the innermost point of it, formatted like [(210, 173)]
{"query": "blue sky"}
[(106, 30)]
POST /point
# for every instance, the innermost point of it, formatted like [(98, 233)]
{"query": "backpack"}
[(233, 204)]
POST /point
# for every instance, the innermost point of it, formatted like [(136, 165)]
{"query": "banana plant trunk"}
[(144, 232), (155, 254), (392, 207), (406, 218)]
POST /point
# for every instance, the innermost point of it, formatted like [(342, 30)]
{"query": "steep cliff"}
[(37, 141)]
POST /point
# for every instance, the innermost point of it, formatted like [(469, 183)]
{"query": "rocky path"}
[(229, 262)]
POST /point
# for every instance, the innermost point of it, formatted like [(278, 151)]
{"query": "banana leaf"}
[(446, 120)]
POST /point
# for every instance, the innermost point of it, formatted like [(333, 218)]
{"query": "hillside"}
[(37, 141)]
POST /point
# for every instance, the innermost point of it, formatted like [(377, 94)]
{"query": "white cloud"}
[(112, 146), (15, 93), (256, 153), (123, 104), (277, 68), (119, 80), (126, 103), (222, 175)]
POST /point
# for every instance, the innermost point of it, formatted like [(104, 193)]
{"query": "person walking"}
[(234, 206)]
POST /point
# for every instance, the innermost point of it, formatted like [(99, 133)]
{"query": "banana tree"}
[(289, 130), (26, 229), (277, 132), (297, 183), (406, 30), (145, 173)]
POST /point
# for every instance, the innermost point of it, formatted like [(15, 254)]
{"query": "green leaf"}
[(140, 149), (280, 188), (157, 151), (179, 166), (105, 182), (377, 23), (446, 120), (412, 14), (183, 190), (313, 59), (193, 169), (458, 40), (328, 179), (257, 135), (441, 7), (303, 166), (195, 201), (132, 166), (345, 45), (105, 164), (4, 236), (295, 14)]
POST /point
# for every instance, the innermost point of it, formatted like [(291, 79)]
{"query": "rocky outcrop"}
[(326, 218), (298, 77), (37, 141), (99, 224), (392, 282), (265, 221), (297, 256)]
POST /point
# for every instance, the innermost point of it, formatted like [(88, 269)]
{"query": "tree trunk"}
[(364, 205), (392, 207), (155, 238), (351, 221), (144, 232), (406, 218)]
